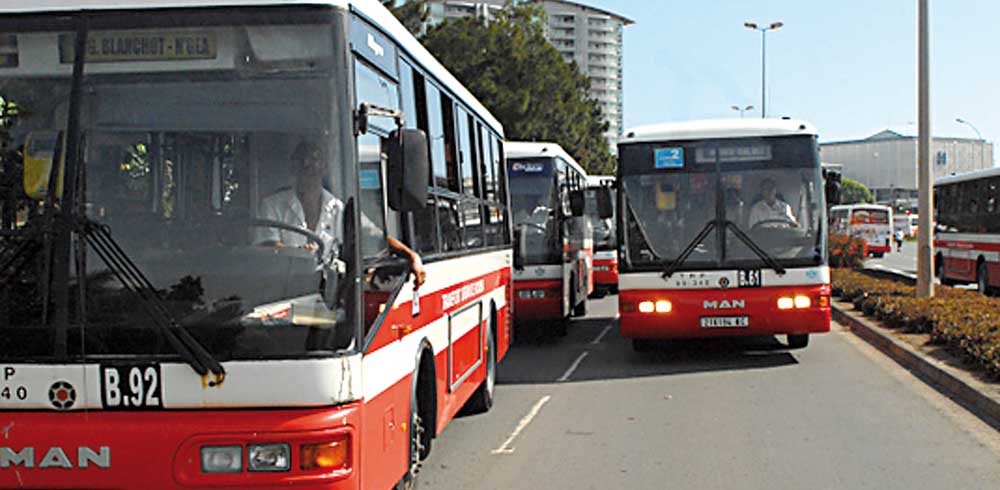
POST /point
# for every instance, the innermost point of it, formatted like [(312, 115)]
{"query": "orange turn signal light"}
[(333, 455)]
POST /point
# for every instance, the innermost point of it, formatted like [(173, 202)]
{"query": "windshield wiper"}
[(642, 233), (672, 266), (131, 277)]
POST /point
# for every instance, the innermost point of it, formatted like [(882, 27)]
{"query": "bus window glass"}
[(183, 155), (536, 206), (436, 137), (378, 90)]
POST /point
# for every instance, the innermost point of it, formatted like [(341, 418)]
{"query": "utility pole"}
[(982, 142), (925, 247)]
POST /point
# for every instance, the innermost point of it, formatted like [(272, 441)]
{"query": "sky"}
[(847, 66)]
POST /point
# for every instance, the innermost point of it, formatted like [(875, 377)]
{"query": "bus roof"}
[(369, 8), (717, 129), (967, 176), (524, 149)]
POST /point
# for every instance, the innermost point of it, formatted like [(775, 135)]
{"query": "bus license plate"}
[(725, 321)]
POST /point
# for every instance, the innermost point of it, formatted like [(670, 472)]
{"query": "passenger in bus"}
[(308, 205), (770, 211)]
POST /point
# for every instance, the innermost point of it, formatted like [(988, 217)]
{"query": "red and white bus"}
[(872, 223), (605, 239), (967, 233), (222, 304), (547, 199), (722, 231)]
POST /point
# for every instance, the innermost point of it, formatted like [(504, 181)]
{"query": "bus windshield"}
[(604, 229), (767, 188), (535, 203), (211, 191)]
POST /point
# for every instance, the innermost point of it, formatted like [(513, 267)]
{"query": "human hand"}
[(419, 273)]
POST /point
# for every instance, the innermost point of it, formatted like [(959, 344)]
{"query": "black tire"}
[(580, 309), (417, 449), (939, 271), (482, 399), (797, 341), (642, 345), (982, 279), (878, 255)]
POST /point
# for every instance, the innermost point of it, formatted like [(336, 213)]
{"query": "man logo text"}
[(724, 304), (55, 457)]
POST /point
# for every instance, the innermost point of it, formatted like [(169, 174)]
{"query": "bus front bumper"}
[(538, 300), (723, 313), (165, 449)]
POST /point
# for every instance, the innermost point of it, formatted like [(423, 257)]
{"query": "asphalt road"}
[(902, 261), (585, 412)]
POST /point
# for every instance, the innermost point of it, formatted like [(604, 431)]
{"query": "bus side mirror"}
[(520, 248), (408, 169), (577, 202), (604, 207)]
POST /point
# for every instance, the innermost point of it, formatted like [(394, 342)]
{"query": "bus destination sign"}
[(128, 46)]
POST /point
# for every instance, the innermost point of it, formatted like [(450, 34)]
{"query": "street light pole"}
[(741, 109), (763, 60), (982, 142)]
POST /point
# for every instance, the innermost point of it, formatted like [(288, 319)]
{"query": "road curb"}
[(954, 383)]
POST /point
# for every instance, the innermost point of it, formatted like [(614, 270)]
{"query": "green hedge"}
[(967, 323)]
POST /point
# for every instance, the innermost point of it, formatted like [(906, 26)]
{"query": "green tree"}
[(411, 13), (854, 192), (523, 80)]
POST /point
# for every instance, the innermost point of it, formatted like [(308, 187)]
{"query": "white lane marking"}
[(505, 447), (572, 367), (601, 335)]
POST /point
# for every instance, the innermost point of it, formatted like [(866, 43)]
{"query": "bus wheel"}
[(878, 255), (939, 271), (797, 341), (982, 279), (580, 309), (642, 345), (482, 399), (417, 448)]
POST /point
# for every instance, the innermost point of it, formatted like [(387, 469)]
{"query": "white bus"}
[(722, 231), (872, 223), (216, 295)]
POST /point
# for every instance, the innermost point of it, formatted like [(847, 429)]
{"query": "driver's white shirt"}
[(762, 211), (284, 206)]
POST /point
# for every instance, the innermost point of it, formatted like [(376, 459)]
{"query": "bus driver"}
[(308, 205), (771, 211)]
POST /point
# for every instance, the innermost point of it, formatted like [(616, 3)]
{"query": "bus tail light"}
[(333, 455), (802, 301), (824, 301)]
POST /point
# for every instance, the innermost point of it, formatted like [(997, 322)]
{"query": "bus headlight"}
[(269, 457), (221, 459), (664, 306)]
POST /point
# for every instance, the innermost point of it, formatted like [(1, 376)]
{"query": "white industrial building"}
[(590, 36), (886, 162)]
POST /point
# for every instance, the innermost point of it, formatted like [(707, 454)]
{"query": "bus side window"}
[(447, 199), (423, 232)]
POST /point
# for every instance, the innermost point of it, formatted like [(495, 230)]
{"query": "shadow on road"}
[(546, 359)]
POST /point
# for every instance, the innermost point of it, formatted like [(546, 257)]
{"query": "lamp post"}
[(742, 109), (982, 142), (763, 60)]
